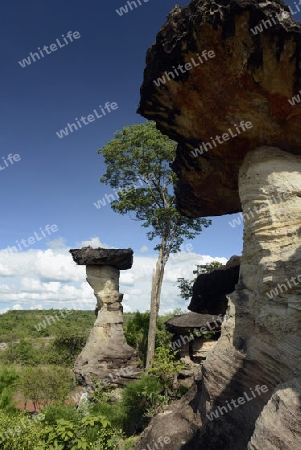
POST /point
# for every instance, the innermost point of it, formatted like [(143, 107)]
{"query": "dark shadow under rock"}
[(210, 289)]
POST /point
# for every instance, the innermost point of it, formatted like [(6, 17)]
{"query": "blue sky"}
[(56, 181)]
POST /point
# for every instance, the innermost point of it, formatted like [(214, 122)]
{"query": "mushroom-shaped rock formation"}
[(106, 356), (188, 334), (210, 289), (251, 79)]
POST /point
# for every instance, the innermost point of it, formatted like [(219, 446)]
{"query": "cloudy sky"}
[(48, 278), (49, 186)]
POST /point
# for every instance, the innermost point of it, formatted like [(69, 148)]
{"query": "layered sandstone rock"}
[(210, 289), (179, 422), (279, 423), (106, 356), (260, 342), (250, 79)]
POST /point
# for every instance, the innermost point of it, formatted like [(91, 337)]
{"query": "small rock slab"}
[(121, 259)]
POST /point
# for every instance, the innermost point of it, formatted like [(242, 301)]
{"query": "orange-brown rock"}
[(250, 79)]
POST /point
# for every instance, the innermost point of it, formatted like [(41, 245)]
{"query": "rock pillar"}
[(106, 356), (260, 344)]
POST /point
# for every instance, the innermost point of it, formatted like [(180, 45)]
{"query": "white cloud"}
[(17, 307), (126, 308), (49, 278), (144, 249), (94, 243), (57, 243)]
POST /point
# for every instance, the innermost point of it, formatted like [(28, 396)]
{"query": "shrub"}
[(140, 401), (59, 411), (8, 379), (19, 432), (45, 385), (165, 367)]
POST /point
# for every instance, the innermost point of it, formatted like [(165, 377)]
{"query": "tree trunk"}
[(152, 325), (157, 281)]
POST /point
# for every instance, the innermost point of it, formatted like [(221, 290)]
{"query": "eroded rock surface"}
[(106, 356), (210, 289), (121, 259), (260, 342), (250, 79), (179, 421), (278, 426)]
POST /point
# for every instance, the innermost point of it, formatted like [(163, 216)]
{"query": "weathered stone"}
[(250, 79), (121, 259), (179, 421), (278, 426), (260, 342), (106, 355), (188, 323), (210, 289), (188, 330)]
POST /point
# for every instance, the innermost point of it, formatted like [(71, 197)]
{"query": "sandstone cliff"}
[(251, 381)]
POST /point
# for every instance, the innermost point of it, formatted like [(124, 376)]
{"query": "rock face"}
[(260, 342), (251, 380), (250, 79), (121, 259), (210, 289), (106, 357), (280, 417), (179, 422)]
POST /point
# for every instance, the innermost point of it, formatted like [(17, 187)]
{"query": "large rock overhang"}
[(250, 79)]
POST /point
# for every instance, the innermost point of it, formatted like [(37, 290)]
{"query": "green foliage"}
[(59, 411), (21, 353), (164, 367), (140, 401), (91, 432), (186, 286), (142, 154), (44, 385), (211, 334), (8, 379), (66, 346), (21, 324), (19, 432), (65, 428), (136, 332)]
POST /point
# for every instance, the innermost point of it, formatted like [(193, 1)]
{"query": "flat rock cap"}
[(121, 259), (203, 100)]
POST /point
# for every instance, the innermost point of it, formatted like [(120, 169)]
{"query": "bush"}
[(45, 385), (8, 379), (19, 432), (90, 432), (140, 401), (22, 354), (165, 368), (58, 411), (136, 332)]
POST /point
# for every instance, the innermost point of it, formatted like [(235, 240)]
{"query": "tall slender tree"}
[(138, 164)]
